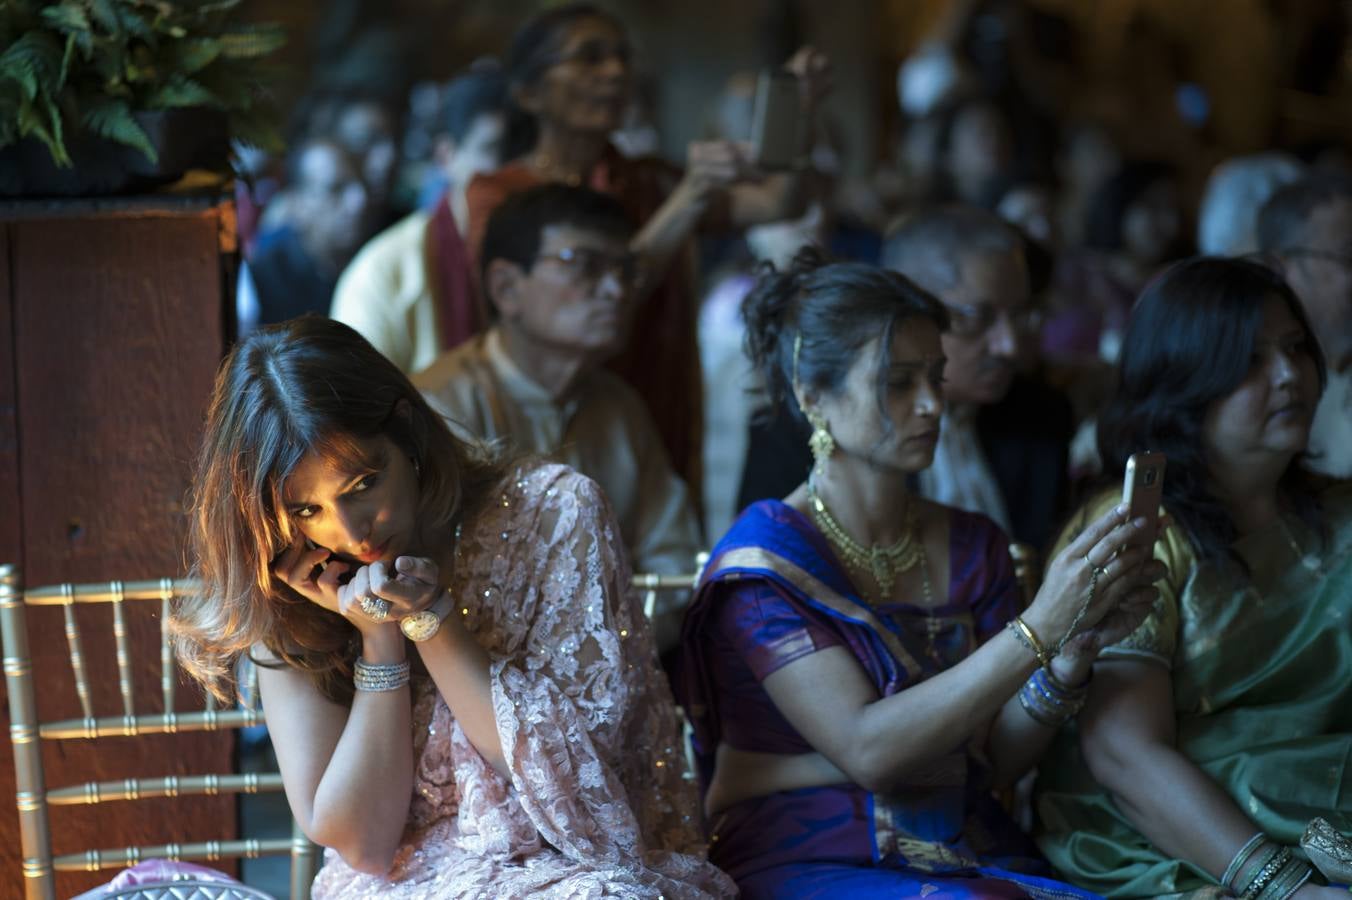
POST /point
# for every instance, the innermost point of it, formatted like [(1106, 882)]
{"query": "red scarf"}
[(460, 311)]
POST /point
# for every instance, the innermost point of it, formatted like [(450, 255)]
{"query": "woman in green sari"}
[(1216, 732)]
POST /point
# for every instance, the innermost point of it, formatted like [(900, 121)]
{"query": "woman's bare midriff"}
[(744, 775)]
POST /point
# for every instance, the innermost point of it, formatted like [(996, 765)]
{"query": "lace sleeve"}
[(586, 720)]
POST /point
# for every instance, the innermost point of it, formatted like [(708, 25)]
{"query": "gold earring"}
[(821, 443)]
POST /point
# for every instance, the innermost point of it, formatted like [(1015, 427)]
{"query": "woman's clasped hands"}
[(375, 596)]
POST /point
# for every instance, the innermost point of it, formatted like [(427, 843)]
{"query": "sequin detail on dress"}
[(596, 805)]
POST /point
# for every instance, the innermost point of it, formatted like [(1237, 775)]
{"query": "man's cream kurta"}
[(602, 429), (385, 295)]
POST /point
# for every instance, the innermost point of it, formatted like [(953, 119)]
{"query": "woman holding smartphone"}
[(570, 73), (462, 695), (859, 667), (1220, 728)]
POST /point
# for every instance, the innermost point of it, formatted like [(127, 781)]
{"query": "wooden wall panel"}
[(116, 335), (9, 426), (10, 551)]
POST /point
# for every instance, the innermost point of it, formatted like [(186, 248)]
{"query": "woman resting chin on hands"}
[(446, 641)]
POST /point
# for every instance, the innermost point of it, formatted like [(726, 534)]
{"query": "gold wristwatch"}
[(423, 625)]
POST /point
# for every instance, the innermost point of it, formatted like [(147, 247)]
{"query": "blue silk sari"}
[(774, 592)]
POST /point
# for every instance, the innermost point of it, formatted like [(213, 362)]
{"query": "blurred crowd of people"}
[(957, 352)]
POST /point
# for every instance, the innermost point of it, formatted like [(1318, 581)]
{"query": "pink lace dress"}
[(596, 805)]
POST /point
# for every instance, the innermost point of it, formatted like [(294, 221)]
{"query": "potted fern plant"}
[(102, 96)]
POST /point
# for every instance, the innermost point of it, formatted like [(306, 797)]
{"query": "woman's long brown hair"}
[(311, 385)]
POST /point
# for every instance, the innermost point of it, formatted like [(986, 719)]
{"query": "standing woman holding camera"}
[(570, 76), (461, 691)]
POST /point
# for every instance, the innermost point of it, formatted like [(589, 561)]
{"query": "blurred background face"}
[(1152, 224), (1032, 208), (1321, 275), (1087, 158), (588, 88), (366, 130), (980, 146), (479, 151), (921, 151), (990, 306), (331, 201)]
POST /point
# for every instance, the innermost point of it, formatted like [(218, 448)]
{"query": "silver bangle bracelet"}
[(1290, 879), (1240, 858), (379, 677)]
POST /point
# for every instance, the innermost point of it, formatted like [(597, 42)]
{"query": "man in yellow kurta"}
[(559, 274)]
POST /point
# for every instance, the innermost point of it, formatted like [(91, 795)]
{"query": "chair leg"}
[(34, 832), (304, 862)]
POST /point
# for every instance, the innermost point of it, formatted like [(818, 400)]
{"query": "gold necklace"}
[(544, 167), (884, 564)]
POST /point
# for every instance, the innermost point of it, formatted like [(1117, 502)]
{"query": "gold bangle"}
[(1029, 639)]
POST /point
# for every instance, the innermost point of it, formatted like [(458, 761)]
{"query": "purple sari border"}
[(775, 544)]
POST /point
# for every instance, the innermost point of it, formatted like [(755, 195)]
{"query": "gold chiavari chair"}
[(26, 733), (650, 586)]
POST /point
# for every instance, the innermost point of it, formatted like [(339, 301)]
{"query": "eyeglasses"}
[(596, 52), (590, 266), (968, 321)]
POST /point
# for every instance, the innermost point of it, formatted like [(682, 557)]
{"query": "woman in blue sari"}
[(857, 671)]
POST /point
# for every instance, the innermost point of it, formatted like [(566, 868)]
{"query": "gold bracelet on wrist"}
[(1029, 639)]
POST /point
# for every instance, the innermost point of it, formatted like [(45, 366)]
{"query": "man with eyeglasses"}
[(1004, 439), (557, 269), (1306, 228)]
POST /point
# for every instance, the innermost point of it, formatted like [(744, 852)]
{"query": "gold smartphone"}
[(1143, 492)]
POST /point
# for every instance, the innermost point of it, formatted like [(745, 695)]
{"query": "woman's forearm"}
[(775, 198), (1173, 803), (928, 720), (460, 669), (666, 231), (362, 801), (1017, 740)]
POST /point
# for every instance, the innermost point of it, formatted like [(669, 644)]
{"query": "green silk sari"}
[(1262, 679)]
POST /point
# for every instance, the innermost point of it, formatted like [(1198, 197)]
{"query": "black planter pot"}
[(184, 138)]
